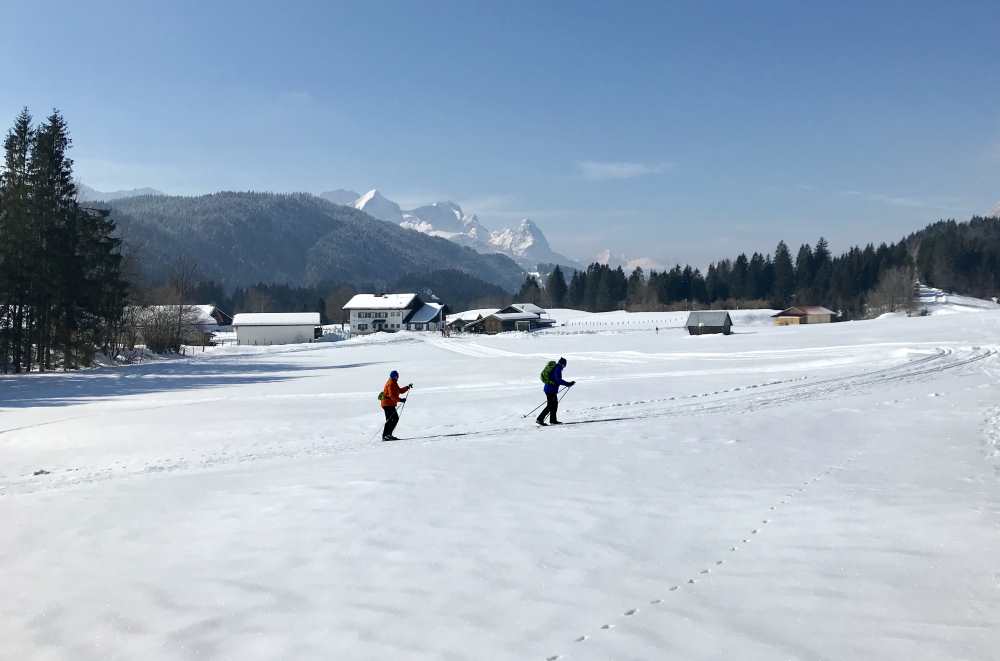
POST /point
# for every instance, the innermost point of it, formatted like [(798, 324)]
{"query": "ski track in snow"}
[(929, 365)]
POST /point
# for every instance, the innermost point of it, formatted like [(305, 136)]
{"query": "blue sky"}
[(678, 131)]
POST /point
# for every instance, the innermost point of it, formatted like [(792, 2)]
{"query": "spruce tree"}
[(15, 244), (603, 299), (55, 216), (740, 278), (530, 291), (784, 277), (803, 272), (555, 288), (636, 288), (576, 296), (60, 265)]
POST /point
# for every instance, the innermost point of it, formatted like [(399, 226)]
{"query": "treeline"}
[(859, 282), (459, 290), (61, 288), (961, 257)]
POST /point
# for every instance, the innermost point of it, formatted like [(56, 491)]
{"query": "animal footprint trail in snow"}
[(706, 572)]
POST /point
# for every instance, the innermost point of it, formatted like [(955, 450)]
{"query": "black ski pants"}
[(391, 420), (551, 407)]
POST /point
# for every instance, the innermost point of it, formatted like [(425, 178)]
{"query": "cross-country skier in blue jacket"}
[(552, 378)]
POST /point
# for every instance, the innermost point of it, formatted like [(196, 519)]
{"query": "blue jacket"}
[(557, 380)]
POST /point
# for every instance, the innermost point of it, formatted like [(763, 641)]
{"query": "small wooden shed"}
[(803, 314), (707, 322)]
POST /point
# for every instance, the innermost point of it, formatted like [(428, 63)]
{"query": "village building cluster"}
[(394, 312)]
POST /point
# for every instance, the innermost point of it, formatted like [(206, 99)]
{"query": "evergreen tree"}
[(530, 291), (603, 296), (15, 244), (555, 288), (576, 296), (740, 278), (60, 265), (784, 277), (636, 288), (803, 272), (757, 277)]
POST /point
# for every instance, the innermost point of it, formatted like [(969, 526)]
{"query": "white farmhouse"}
[(266, 328), (371, 313)]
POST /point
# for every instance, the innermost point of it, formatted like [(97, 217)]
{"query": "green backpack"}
[(547, 372)]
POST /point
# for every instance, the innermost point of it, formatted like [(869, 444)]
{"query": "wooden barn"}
[(458, 322), (708, 322), (803, 314), (514, 317)]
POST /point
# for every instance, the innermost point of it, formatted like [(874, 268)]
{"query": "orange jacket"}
[(391, 393)]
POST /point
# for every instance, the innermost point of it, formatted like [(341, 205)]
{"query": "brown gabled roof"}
[(804, 310)]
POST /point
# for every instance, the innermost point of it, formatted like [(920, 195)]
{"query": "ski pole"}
[(533, 410), (399, 417), (566, 390)]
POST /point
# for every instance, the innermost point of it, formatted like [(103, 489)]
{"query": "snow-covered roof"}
[(427, 313), (708, 318), (515, 316), (528, 307), (276, 319), (380, 302), (471, 315)]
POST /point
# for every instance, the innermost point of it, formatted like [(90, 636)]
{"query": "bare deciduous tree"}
[(893, 293)]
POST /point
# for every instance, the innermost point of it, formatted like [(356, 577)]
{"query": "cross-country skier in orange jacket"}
[(390, 398)]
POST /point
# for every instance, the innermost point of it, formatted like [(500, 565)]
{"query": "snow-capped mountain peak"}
[(525, 240), (996, 211), (376, 205), (525, 243), (629, 264), (439, 216)]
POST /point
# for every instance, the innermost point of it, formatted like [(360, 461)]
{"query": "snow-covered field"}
[(814, 492), (575, 321)]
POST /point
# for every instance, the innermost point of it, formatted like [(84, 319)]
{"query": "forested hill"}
[(240, 239), (860, 282), (963, 257)]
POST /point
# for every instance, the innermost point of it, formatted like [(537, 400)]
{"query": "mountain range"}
[(629, 264), (87, 194), (241, 239), (525, 243)]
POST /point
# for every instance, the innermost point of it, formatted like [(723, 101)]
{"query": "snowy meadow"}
[(815, 492)]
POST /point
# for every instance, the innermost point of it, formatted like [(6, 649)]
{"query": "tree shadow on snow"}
[(67, 389)]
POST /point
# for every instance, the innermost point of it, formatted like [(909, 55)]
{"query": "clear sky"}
[(678, 131)]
